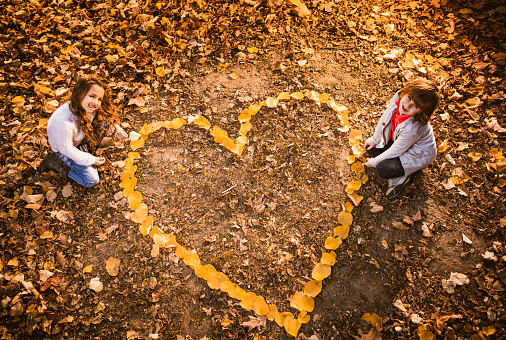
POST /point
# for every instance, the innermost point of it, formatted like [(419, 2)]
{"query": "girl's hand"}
[(367, 164), (369, 145), (121, 134), (99, 160)]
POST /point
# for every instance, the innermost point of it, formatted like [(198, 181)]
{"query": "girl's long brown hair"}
[(425, 94), (106, 115)]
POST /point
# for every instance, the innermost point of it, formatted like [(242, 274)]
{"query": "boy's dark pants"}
[(389, 168)]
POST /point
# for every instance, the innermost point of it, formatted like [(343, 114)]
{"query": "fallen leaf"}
[(96, 285), (67, 190), (254, 322), (112, 266)]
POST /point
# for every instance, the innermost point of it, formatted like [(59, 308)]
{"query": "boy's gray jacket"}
[(414, 144)]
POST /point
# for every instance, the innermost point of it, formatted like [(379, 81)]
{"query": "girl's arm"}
[(120, 133), (60, 138), (403, 142)]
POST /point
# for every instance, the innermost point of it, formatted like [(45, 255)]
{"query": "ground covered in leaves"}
[(429, 264)]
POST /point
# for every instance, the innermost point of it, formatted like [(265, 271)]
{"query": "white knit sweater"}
[(65, 134)]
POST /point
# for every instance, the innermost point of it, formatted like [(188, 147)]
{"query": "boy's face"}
[(407, 106), (93, 99)]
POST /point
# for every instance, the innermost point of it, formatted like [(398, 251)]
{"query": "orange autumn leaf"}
[(140, 214), (245, 116), (313, 288), (137, 144), (345, 218), (342, 231), (321, 271), (333, 243), (146, 225), (202, 123), (245, 128)]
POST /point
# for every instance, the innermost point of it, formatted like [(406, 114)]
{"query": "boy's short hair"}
[(425, 94)]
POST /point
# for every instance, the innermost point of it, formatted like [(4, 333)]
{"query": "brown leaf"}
[(408, 220), (399, 225), (417, 217), (254, 322)]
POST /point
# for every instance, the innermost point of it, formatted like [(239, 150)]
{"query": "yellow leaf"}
[(247, 301), (226, 142), (260, 306), (88, 269), (160, 71), (216, 132), (227, 286), (364, 179), (280, 318), (181, 252), (146, 225), (133, 155), (355, 135), (146, 130), (321, 271), (284, 96), (245, 128), (241, 140), (192, 260), (313, 288), (351, 159), (177, 123), (345, 218), (233, 75), (355, 198), (166, 240), (157, 125), (136, 144), (135, 200), (302, 302), (252, 49), (348, 207), (273, 312), (374, 319), (342, 231), (357, 168), (18, 100), (140, 214), (226, 322), (254, 108), (271, 102), (245, 116), (297, 95), (202, 123), (303, 317), (13, 262), (112, 266), (353, 186), (333, 242), (424, 333), (128, 191), (292, 325), (443, 146), (472, 130), (328, 258), (475, 156), (46, 234), (324, 97), (215, 279), (155, 251)]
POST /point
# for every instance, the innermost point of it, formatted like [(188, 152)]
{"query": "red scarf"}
[(397, 119)]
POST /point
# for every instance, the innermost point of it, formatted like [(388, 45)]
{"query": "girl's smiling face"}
[(93, 99), (407, 106)]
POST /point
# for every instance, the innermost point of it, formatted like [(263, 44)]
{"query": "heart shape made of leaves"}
[(303, 300)]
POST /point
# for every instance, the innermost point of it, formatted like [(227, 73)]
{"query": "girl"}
[(74, 124), (403, 141)]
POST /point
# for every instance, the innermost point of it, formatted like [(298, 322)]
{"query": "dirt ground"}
[(262, 218)]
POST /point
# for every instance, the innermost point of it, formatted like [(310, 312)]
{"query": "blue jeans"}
[(84, 175), (389, 168)]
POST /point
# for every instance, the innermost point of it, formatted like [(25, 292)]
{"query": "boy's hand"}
[(99, 160), (121, 134), (369, 145)]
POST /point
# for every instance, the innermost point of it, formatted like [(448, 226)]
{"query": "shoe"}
[(396, 186), (52, 162)]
